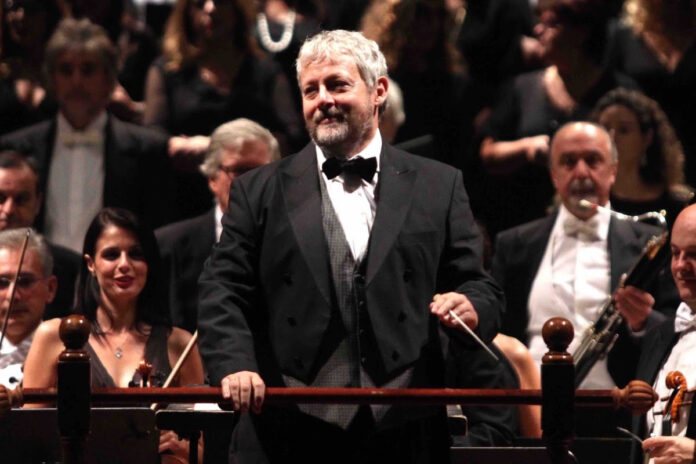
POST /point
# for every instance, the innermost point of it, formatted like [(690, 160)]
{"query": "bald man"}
[(567, 264), (672, 346)]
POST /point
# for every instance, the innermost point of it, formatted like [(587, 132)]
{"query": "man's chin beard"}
[(331, 140)]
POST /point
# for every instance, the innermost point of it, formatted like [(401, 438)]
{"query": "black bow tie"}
[(358, 166)]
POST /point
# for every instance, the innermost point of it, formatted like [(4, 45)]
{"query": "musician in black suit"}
[(235, 148), (90, 159), (556, 267), (672, 346), (325, 275), (20, 201)]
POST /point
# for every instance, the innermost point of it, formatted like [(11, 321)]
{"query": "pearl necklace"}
[(285, 38)]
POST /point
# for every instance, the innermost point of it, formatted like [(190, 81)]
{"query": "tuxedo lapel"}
[(300, 185), (625, 246), (394, 190)]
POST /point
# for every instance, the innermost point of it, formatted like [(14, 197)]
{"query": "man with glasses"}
[(235, 148), (35, 288)]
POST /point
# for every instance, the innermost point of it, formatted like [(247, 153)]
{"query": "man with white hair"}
[(235, 148), (338, 267)]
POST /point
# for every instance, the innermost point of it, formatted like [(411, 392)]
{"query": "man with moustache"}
[(90, 159), (671, 347), (36, 287), (567, 264), (338, 267)]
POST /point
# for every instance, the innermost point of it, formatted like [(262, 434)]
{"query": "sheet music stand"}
[(117, 435)]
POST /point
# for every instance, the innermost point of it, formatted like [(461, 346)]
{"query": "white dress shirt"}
[(75, 190), (12, 359), (354, 205), (682, 358), (218, 221), (573, 281)]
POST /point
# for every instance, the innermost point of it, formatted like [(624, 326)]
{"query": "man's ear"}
[(381, 89), (52, 282)]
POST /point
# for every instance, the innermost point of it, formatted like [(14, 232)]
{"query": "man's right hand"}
[(246, 389)]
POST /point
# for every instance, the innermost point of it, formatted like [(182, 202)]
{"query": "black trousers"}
[(282, 436)]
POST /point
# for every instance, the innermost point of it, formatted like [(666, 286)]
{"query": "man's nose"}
[(7, 207), (582, 169), (325, 97)]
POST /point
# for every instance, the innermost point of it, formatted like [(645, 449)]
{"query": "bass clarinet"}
[(598, 339)]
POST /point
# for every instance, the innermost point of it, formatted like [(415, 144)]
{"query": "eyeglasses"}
[(23, 282)]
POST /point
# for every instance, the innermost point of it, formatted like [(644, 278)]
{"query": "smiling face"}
[(340, 111), (34, 291), (683, 265), (581, 166), (119, 266)]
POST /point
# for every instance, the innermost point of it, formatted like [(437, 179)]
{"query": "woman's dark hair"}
[(593, 15), (152, 307), (664, 158)]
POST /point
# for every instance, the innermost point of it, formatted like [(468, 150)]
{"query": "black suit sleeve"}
[(227, 289)]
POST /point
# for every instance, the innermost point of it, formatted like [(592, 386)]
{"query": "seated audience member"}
[(91, 159), (121, 293), (672, 346), (566, 264), (20, 201), (651, 161), (530, 108), (36, 287), (235, 148), (25, 27)]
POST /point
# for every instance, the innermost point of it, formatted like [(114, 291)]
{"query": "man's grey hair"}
[(232, 135), (332, 45), (81, 36), (613, 151), (13, 239)]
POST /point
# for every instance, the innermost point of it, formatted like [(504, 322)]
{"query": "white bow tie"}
[(685, 319), (583, 230), (88, 138)]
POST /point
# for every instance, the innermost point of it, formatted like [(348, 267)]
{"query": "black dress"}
[(667, 201), (524, 110), (674, 91), (194, 107), (156, 353)]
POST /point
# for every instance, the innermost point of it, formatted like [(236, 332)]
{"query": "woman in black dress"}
[(120, 292)]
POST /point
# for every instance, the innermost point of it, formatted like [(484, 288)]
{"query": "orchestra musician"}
[(325, 275), (672, 346), (567, 263), (35, 288), (120, 292)]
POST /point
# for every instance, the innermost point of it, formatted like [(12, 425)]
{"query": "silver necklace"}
[(285, 38), (118, 352)]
